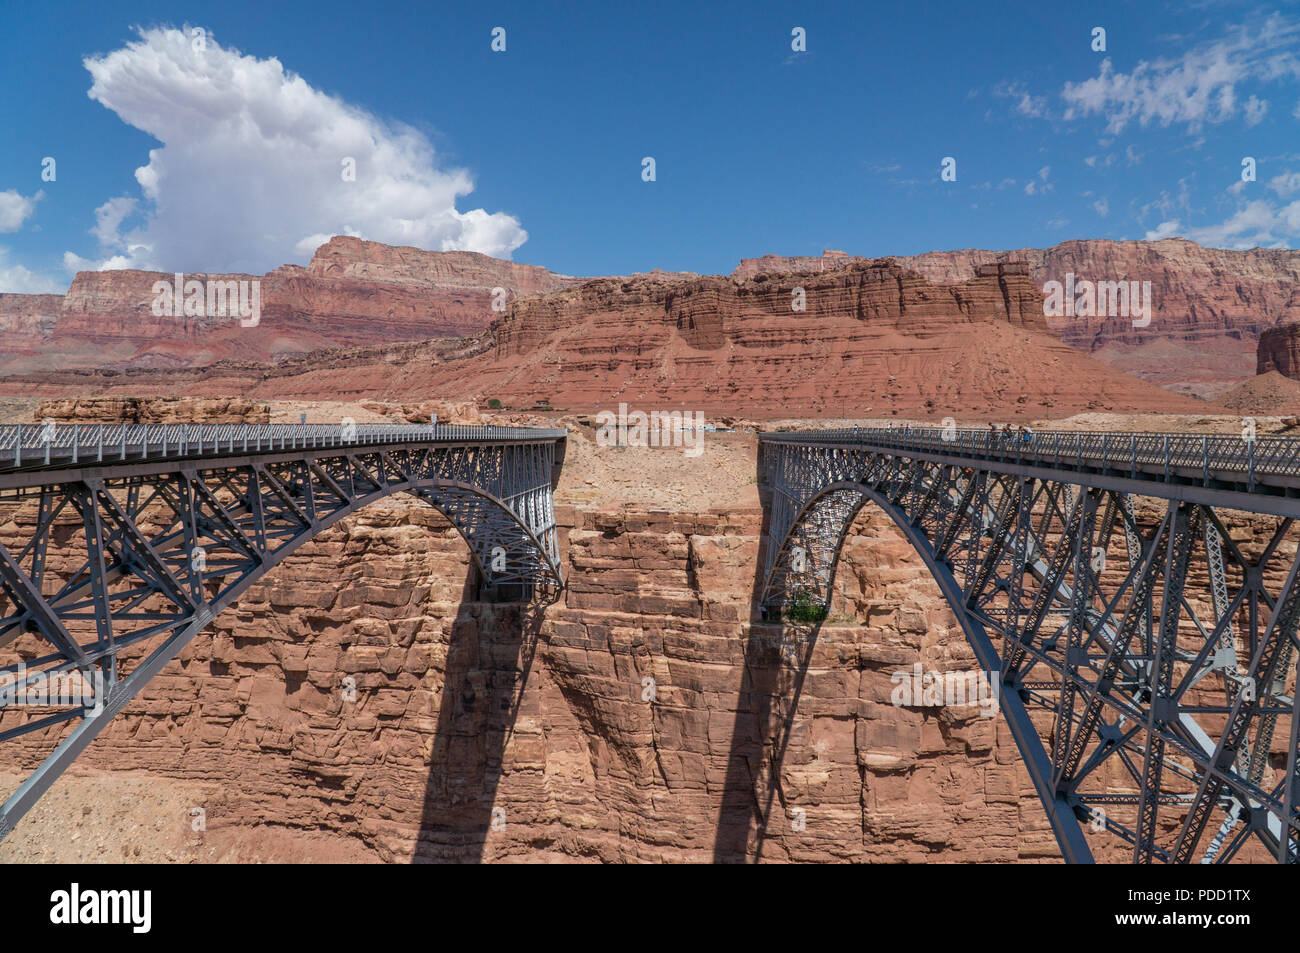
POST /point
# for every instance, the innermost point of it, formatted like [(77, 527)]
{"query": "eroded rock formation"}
[(1279, 350), (475, 731), (153, 410), (352, 292), (1209, 304), (870, 339)]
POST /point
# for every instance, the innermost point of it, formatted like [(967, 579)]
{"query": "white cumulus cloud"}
[(250, 174), (16, 209)]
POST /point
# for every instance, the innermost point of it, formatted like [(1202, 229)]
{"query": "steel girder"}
[(1147, 671), (145, 554)]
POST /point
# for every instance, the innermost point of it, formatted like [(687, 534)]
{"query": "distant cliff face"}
[(1209, 305), (25, 321), (767, 312), (352, 293), (1279, 350), (869, 339)]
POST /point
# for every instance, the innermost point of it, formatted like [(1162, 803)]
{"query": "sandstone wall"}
[(1279, 350), (1209, 304), (153, 410), (463, 709), (873, 340), (352, 293)]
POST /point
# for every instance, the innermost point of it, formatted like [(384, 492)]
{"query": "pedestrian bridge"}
[(134, 537), (1135, 595)]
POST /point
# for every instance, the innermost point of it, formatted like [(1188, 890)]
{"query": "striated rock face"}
[(153, 410), (479, 732), (447, 412), (27, 317), (25, 322), (352, 293), (344, 257), (1209, 305), (1279, 350), (873, 339)]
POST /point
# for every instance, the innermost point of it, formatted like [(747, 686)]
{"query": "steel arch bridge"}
[(135, 537), (1146, 663)]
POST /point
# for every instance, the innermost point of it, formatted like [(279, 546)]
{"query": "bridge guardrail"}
[(1233, 458), (32, 445)]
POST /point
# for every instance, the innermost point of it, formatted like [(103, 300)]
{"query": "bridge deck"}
[(1261, 474), (29, 450)]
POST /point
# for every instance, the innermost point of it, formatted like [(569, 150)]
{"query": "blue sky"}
[(241, 144)]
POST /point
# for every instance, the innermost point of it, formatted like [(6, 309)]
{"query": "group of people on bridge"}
[(1008, 435)]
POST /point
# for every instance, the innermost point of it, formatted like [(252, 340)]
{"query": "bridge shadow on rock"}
[(777, 655), (490, 652)]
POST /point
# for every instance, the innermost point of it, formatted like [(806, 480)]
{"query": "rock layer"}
[(153, 410), (477, 732), (352, 292), (1209, 305), (1279, 350), (872, 339)]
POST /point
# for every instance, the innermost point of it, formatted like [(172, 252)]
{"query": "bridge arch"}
[(847, 499), (169, 545), (1080, 612)]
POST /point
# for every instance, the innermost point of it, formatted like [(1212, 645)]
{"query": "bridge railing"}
[(30, 445), (1210, 455)]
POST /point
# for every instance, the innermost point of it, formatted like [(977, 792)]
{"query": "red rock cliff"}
[(1209, 305), (1279, 350), (352, 293)]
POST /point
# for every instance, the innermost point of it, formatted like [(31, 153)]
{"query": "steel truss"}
[(1147, 667), (123, 564)]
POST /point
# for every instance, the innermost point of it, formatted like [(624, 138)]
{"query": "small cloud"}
[(108, 220), (1163, 230), (1035, 188), (1102, 206), (1286, 184), (1255, 110), (1035, 107), (16, 208), (74, 263)]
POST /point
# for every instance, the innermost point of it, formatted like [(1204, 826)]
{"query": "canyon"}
[(870, 338), (505, 732), (407, 322), (365, 704)]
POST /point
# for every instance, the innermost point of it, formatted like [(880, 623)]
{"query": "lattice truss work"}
[(1146, 647), (121, 567)]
